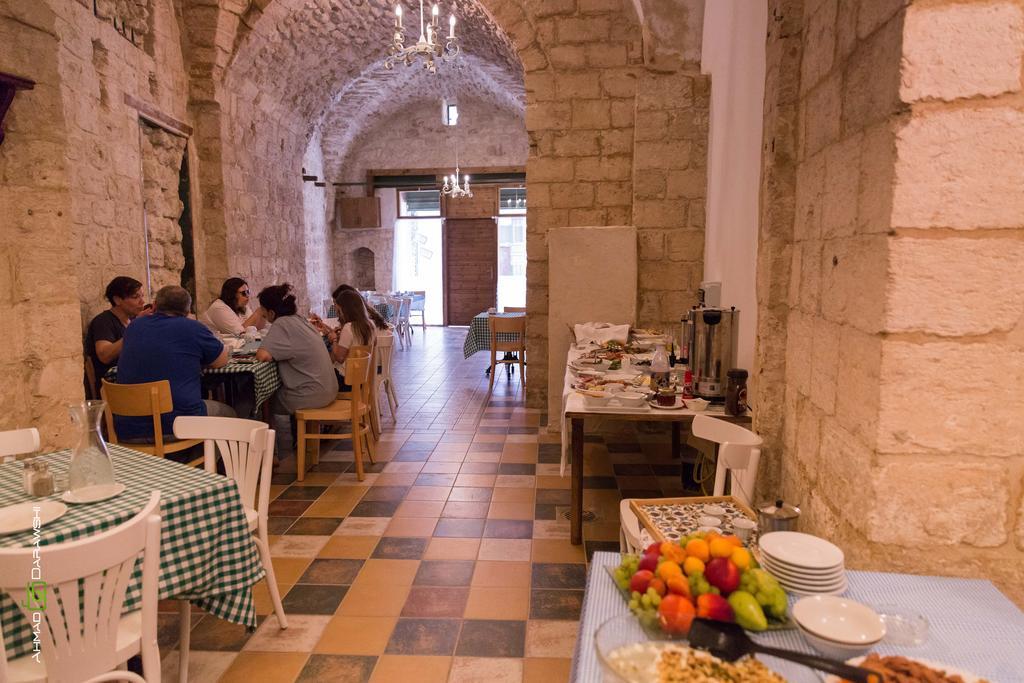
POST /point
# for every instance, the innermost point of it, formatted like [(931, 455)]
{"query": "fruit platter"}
[(702, 575)]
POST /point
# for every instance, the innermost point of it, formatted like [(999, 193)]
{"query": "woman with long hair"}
[(355, 330), (230, 313), (376, 318), (307, 376)]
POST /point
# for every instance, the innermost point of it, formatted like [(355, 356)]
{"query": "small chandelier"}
[(451, 186), (428, 46)]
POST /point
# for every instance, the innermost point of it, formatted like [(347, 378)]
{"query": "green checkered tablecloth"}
[(479, 336), (207, 553), (265, 377)]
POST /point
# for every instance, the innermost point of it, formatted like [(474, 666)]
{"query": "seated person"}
[(168, 345), (375, 317), (307, 376), (104, 337), (356, 330), (230, 313)]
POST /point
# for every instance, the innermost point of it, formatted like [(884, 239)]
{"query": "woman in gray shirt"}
[(307, 375)]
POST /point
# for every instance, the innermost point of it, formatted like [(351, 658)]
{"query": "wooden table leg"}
[(576, 511)]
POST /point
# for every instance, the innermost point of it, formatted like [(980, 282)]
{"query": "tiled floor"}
[(451, 561)]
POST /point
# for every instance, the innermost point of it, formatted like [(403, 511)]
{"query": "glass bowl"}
[(624, 631)]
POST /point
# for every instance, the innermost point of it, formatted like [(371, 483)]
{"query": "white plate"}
[(950, 671), (803, 577), (15, 518), (801, 550), (840, 620), (804, 592), (93, 494)]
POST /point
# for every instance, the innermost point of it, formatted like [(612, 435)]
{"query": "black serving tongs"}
[(730, 642)]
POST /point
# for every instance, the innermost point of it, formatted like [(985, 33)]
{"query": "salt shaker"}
[(42, 480), (27, 473)]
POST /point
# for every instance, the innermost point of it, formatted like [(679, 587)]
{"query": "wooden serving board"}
[(669, 519)]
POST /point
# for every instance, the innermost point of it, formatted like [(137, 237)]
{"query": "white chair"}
[(404, 328), (739, 452), (385, 350), (247, 450), (419, 303), (395, 319), (18, 442), (89, 645)]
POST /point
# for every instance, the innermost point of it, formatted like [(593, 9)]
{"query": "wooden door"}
[(470, 268)]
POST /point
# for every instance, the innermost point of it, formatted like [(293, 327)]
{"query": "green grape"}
[(656, 599), (634, 605), (645, 601)]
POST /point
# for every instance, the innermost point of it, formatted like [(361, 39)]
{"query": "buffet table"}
[(972, 625), (574, 414)]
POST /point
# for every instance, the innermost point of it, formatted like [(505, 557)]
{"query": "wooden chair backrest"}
[(358, 375), (514, 309), (90, 379), (507, 326), (138, 400)]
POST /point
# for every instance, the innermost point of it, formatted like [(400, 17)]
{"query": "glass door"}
[(511, 247), (418, 256)]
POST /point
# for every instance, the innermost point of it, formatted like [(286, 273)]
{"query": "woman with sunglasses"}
[(231, 313)]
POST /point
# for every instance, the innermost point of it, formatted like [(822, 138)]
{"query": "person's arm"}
[(221, 360), (339, 352), (263, 355), (258, 319), (107, 351)]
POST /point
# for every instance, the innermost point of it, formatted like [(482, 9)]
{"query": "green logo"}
[(35, 596)]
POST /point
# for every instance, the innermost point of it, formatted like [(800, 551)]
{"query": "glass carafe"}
[(90, 460)]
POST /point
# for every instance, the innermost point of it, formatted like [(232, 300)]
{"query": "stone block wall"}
[(72, 178), (894, 280), (162, 154)]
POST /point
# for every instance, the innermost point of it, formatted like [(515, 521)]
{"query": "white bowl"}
[(631, 399), (841, 623), (696, 404), (832, 649), (596, 400)]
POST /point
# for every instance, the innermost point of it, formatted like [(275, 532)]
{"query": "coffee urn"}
[(709, 336)]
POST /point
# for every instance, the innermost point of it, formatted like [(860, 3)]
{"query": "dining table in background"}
[(478, 337), (207, 553), (972, 625)]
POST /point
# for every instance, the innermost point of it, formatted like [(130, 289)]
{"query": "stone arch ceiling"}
[(320, 62)]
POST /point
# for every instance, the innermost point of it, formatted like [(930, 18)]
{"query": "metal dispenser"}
[(709, 336)]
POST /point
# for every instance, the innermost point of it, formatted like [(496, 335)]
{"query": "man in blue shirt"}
[(169, 345)]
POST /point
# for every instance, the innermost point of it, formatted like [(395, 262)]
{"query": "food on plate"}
[(714, 575), (903, 670), (665, 662)]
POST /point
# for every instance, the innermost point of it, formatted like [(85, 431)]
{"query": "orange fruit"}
[(711, 535), (741, 558), (720, 548), (692, 566), (735, 540), (669, 569), (672, 551), (698, 548)]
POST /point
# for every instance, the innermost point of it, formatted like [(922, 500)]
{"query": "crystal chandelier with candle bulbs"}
[(451, 188), (430, 45)]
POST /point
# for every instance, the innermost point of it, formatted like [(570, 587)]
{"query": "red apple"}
[(649, 561), (653, 548), (722, 574), (711, 606), (640, 581)]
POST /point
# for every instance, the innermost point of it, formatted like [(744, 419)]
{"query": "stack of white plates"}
[(803, 564)]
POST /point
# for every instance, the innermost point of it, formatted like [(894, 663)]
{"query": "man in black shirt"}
[(103, 340)]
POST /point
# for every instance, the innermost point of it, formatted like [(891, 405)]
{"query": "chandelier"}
[(428, 46), (451, 188)]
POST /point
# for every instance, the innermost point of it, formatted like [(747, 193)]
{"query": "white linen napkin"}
[(601, 333)]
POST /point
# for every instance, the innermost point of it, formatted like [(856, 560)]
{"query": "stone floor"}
[(451, 561)]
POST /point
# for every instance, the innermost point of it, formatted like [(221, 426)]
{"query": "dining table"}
[(478, 337), (575, 415), (971, 625), (207, 552)]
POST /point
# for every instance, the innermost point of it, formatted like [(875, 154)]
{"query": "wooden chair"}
[(90, 379), (355, 410), (514, 309), (89, 644), (142, 400), (246, 448), (513, 333), (18, 442)]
